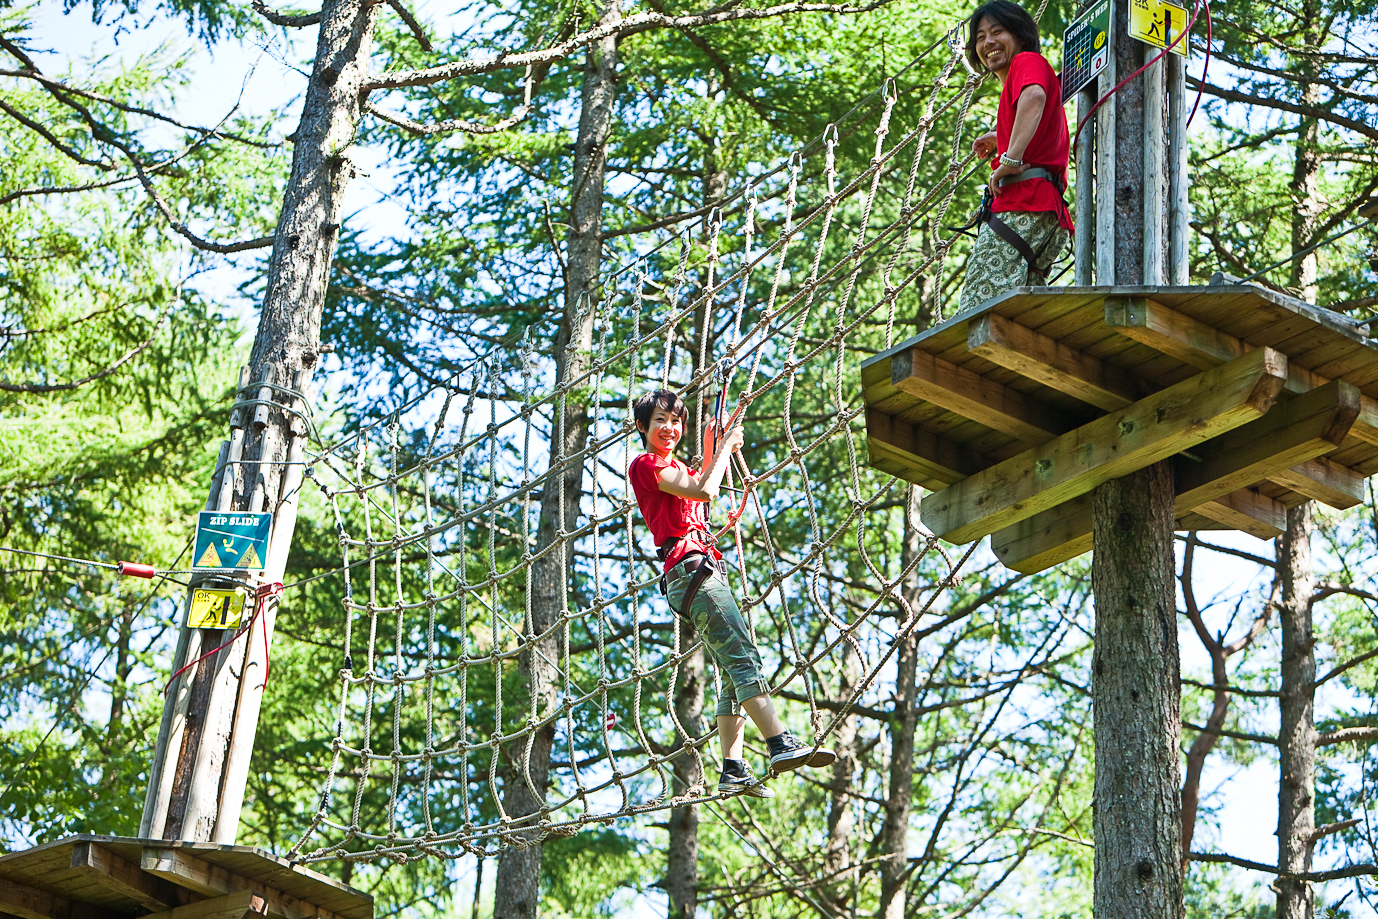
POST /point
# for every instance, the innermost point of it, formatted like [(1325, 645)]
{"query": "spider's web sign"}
[(1085, 48)]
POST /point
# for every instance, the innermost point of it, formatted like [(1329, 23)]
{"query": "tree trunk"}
[(894, 833), (1297, 732), (1135, 685), (186, 799), (1306, 169), (682, 859), (1136, 695), (837, 854), (519, 869)]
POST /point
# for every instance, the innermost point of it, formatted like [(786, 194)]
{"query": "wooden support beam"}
[(242, 904), (31, 903), (1192, 342), (1151, 429), (1293, 432), (927, 459), (183, 868), (118, 876), (972, 396), (1321, 480), (1052, 363), (1213, 485), (1245, 510)]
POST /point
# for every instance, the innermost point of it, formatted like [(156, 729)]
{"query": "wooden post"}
[(1135, 680), (201, 761)]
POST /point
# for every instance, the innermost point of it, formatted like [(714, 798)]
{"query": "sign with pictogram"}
[(215, 609), (229, 540), (1085, 48), (1159, 24)]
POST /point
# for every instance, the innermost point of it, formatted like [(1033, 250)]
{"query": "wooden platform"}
[(1014, 412), (114, 877)]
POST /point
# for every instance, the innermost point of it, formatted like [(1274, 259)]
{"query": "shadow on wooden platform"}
[(1014, 412), (115, 877)]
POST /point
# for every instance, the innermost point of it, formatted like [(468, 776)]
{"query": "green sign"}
[(225, 539), (1085, 48)]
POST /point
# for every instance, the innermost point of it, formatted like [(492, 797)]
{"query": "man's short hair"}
[(646, 406), (1013, 17)]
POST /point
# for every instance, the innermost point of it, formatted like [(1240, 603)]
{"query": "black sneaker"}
[(786, 752), (732, 784)]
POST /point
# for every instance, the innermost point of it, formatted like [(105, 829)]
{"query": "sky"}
[(264, 74)]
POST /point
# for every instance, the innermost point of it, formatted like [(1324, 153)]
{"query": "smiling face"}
[(664, 431), (995, 46)]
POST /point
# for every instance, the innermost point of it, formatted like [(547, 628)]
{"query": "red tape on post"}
[(135, 570)]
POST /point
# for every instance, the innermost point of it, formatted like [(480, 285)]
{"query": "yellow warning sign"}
[(215, 609), (250, 558), (210, 558), (1159, 24)]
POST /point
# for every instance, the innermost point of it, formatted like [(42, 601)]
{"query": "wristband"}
[(1007, 160)]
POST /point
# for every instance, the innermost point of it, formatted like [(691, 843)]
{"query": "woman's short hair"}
[(1013, 17), (646, 406)]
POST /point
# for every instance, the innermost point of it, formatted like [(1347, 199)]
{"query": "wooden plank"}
[(242, 904), (112, 873), (186, 870), (1293, 432), (1046, 539), (1245, 510), (1051, 363), (1188, 340), (29, 903), (1324, 481), (1200, 345), (1151, 429), (972, 396), (933, 459)]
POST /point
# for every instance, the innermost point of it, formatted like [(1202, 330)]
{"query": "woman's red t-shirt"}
[(667, 515), (1050, 146)]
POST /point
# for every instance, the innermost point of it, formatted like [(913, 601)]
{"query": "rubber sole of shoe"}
[(754, 791), (822, 758), (784, 762)]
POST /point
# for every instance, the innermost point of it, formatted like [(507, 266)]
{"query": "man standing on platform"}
[(1027, 224)]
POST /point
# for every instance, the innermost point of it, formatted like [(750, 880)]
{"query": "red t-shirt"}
[(1050, 146), (668, 515)]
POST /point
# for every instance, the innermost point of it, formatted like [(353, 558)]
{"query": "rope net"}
[(510, 670)]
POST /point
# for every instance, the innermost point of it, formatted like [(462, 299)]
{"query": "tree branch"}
[(412, 24), (51, 138), (1309, 111), (1353, 871), (1353, 662), (1298, 78), (1344, 735), (1237, 735), (622, 28), (290, 20), (1329, 829), (99, 375)]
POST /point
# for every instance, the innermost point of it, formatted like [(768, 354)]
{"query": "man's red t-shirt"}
[(668, 515), (1050, 146)]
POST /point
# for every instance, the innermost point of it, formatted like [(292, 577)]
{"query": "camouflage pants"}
[(996, 266), (725, 634)]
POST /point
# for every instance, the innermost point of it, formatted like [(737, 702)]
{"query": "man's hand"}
[(1001, 170), (984, 146)]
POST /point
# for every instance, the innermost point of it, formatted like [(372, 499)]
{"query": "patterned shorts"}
[(995, 266), (725, 634)]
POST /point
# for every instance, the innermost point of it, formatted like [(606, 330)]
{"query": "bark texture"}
[(1306, 167), (1135, 684), (682, 859), (1297, 731), (285, 349), (894, 833), (837, 855), (519, 869), (1135, 691)]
